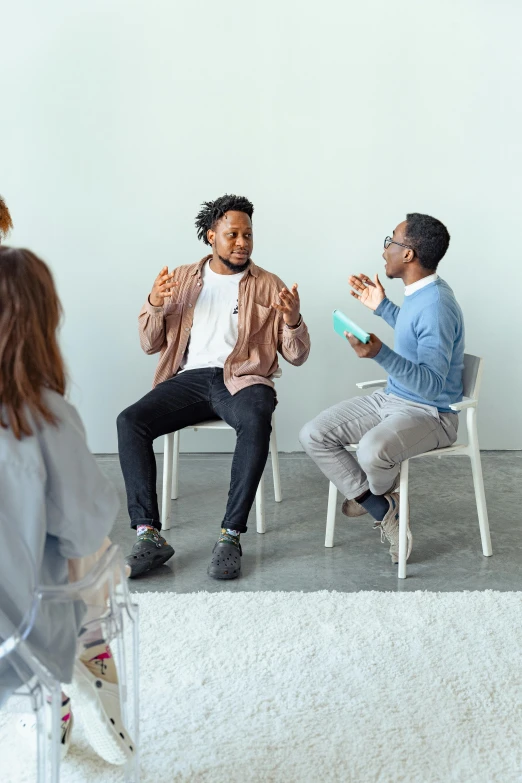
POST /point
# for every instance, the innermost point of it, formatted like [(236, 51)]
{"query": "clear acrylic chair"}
[(104, 599), (22, 675), (473, 366), (170, 489)]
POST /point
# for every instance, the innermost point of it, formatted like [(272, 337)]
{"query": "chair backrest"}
[(472, 375), (18, 589), (48, 616), (19, 603)]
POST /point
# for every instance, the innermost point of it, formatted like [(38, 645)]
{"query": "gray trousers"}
[(388, 430)]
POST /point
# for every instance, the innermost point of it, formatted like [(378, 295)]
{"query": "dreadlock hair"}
[(428, 237), (6, 223), (212, 211)]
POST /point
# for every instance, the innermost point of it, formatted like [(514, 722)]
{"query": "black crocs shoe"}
[(226, 558), (148, 552)]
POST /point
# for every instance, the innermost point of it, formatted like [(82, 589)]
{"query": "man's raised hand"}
[(289, 305), (162, 288), (369, 292)]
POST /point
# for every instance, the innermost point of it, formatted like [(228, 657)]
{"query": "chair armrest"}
[(371, 384), (95, 579), (467, 402)]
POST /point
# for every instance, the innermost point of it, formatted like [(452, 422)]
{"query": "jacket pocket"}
[(261, 324), (173, 318), (174, 309)]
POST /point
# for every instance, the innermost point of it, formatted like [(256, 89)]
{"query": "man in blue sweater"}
[(412, 414)]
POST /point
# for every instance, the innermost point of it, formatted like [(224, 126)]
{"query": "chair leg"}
[(42, 761), (275, 464), (260, 506), (403, 518), (175, 468), (56, 710), (128, 665), (478, 483), (167, 481), (330, 515), (132, 771)]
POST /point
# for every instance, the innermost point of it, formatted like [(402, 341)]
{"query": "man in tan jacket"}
[(218, 326)]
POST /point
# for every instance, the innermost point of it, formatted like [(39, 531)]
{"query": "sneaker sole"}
[(223, 576), (101, 717), (139, 568)]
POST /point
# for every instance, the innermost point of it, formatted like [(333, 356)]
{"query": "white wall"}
[(118, 118)]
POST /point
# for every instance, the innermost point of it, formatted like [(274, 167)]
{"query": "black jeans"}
[(187, 399)]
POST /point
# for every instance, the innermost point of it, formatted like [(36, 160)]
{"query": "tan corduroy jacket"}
[(261, 329)]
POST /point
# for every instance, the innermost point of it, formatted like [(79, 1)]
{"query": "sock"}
[(232, 536), (376, 505), (140, 529)]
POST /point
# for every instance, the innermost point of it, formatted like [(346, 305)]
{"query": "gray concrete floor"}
[(291, 555)]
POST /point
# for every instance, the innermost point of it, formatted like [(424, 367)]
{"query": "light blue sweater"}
[(427, 363)]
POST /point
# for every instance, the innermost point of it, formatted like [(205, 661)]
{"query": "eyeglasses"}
[(389, 241)]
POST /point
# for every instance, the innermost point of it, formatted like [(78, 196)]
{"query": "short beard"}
[(235, 267)]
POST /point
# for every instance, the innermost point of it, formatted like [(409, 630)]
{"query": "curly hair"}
[(428, 237), (212, 211), (6, 223)]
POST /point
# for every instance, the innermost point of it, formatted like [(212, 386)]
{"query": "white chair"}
[(171, 470), (473, 366)]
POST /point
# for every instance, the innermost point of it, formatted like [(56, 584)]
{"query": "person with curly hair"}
[(412, 415), (218, 326)]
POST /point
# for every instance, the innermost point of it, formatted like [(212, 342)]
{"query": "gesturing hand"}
[(370, 293), (365, 350), (289, 305), (162, 288)]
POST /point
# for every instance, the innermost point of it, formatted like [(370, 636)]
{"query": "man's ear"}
[(408, 257), (211, 235)]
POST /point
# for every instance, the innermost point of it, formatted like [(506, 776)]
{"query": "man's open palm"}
[(369, 292), (163, 287), (289, 305)]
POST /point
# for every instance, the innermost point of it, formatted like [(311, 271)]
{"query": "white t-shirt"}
[(214, 330)]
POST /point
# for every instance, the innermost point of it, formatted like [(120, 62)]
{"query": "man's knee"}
[(372, 451), (311, 437), (256, 420), (305, 435), (127, 419), (254, 410)]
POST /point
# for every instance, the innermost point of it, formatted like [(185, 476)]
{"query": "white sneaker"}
[(389, 528), (98, 702)]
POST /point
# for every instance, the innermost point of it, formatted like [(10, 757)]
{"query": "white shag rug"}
[(299, 687)]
